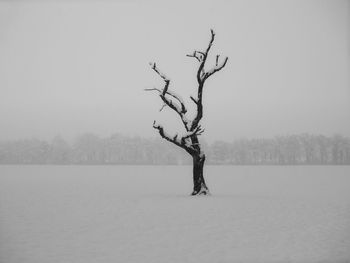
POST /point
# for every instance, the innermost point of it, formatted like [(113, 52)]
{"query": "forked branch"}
[(165, 94), (181, 142), (203, 75)]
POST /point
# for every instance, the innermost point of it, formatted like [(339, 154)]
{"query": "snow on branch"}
[(197, 55), (182, 109), (179, 142), (210, 42), (217, 67), (165, 93), (197, 131), (179, 99), (202, 57), (202, 76), (172, 94)]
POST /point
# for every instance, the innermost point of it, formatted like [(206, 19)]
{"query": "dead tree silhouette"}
[(189, 141)]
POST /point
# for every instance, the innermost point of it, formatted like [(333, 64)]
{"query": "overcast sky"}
[(73, 67)]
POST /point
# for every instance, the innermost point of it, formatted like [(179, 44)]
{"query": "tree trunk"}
[(199, 186)]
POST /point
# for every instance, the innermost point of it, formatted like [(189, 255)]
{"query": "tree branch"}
[(216, 68), (202, 57), (164, 105), (194, 100), (181, 143), (202, 76), (163, 76), (172, 94), (180, 110), (194, 55), (198, 131)]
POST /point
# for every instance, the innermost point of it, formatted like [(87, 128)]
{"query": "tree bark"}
[(199, 186)]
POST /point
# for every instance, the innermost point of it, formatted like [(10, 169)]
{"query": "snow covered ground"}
[(136, 214)]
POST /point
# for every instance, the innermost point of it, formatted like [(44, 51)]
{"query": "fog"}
[(73, 67)]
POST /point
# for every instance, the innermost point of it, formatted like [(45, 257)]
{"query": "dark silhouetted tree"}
[(189, 141)]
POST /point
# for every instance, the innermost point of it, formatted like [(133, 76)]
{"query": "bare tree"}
[(189, 141)]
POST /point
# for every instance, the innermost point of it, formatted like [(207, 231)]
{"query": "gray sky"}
[(73, 67)]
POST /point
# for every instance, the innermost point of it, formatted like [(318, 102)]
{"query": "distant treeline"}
[(301, 149)]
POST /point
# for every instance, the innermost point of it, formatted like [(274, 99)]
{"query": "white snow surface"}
[(145, 214)]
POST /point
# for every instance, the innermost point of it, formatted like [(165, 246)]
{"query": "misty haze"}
[(184, 131)]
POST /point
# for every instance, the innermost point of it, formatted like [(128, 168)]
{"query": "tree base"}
[(203, 191)]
